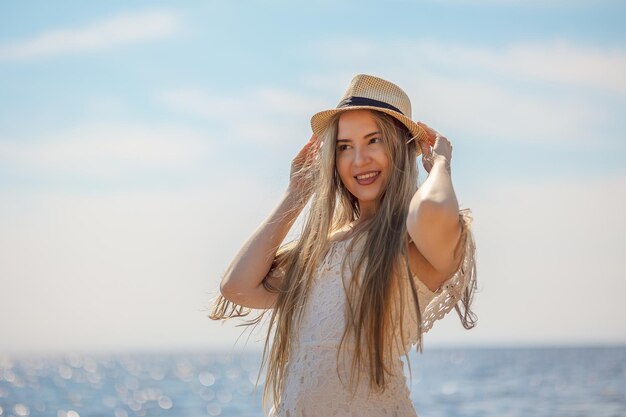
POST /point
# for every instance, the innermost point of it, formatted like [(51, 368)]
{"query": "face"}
[(361, 158)]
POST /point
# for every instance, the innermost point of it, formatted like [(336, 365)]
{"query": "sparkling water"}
[(481, 382)]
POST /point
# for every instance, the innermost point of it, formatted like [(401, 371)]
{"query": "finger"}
[(425, 148), (427, 165), (431, 133), (302, 156), (313, 152), (426, 127), (307, 146), (302, 153), (315, 145)]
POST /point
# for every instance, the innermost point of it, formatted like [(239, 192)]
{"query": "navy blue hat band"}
[(364, 101)]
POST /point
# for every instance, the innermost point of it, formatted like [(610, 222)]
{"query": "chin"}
[(368, 197)]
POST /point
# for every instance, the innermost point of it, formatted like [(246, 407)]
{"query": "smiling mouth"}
[(368, 178)]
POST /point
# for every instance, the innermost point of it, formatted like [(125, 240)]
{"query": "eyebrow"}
[(364, 137)]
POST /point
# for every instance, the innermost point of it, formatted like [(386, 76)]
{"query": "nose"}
[(361, 156)]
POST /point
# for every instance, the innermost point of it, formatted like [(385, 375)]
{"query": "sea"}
[(467, 382)]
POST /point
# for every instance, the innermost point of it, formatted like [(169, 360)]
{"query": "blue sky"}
[(141, 144)]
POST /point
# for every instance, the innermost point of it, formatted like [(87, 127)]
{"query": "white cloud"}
[(265, 115), (123, 29), (199, 103), (555, 61), (483, 109), (107, 151)]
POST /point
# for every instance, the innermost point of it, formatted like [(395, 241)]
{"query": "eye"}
[(376, 140), (342, 147)]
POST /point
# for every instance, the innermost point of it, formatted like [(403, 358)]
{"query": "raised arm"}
[(242, 283), (433, 220)]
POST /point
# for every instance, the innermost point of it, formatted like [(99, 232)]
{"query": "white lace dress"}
[(313, 386)]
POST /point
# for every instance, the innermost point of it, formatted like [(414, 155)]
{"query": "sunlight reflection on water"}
[(446, 382)]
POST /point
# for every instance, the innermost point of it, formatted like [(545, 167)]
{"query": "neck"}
[(358, 223), (367, 210)]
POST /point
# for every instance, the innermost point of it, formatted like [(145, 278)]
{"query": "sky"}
[(142, 143)]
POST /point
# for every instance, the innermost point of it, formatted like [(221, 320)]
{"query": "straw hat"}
[(370, 92)]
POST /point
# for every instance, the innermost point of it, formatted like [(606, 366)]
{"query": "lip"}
[(369, 181), (366, 172)]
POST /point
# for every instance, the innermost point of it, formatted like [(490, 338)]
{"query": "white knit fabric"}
[(313, 386)]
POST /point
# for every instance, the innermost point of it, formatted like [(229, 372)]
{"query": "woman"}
[(377, 262)]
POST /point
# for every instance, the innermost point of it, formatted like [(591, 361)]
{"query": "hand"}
[(441, 147), (304, 167)]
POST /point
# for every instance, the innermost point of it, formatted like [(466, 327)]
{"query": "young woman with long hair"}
[(377, 262)]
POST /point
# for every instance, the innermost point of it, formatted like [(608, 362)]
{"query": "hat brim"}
[(320, 120)]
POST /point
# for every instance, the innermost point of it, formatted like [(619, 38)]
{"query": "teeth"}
[(366, 176)]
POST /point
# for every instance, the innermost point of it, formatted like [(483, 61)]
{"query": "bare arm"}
[(242, 283), (433, 220)]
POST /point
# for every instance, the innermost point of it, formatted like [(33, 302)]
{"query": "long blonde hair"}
[(374, 301)]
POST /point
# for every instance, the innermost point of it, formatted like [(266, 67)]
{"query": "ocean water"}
[(555, 382)]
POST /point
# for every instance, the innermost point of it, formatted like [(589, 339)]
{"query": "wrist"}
[(441, 160)]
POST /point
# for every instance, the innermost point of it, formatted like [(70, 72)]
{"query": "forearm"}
[(437, 191), (254, 259)]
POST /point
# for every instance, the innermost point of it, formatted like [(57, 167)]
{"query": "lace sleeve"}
[(451, 291)]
